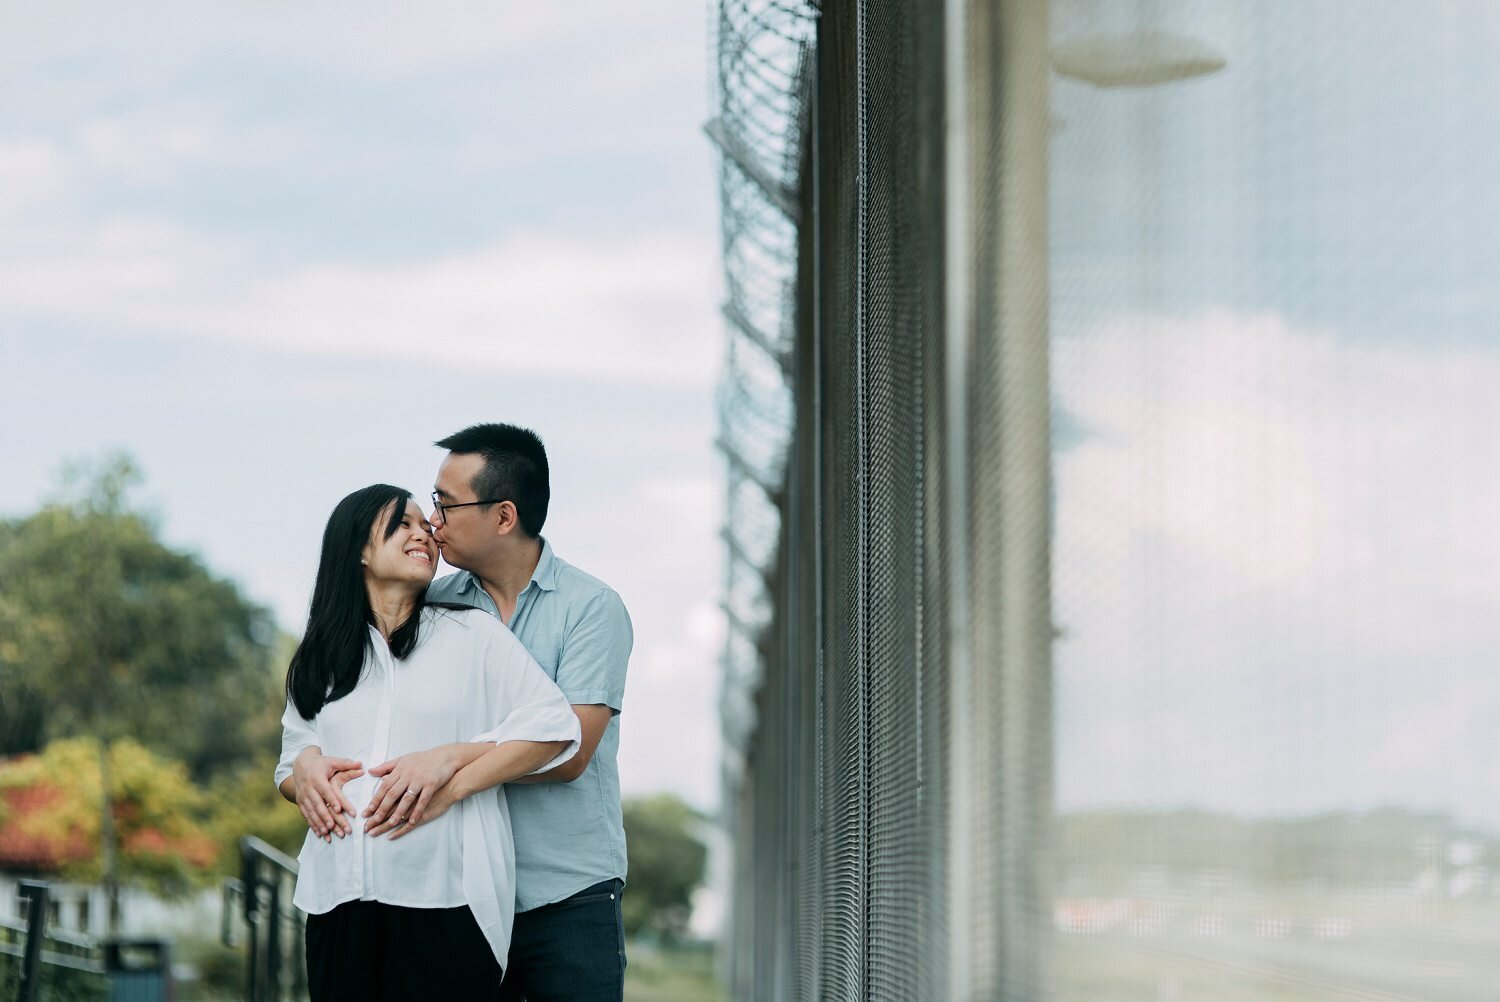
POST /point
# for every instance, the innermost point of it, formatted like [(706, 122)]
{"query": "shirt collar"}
[(544, 577)]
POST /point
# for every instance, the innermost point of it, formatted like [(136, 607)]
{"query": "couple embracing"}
[(453, 745)]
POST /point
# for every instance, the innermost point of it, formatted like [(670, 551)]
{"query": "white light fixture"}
[(1135, 59)]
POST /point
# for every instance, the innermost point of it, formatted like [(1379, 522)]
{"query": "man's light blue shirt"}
[(568, 835)]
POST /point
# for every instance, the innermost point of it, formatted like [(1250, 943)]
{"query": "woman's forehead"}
[(388, 513)]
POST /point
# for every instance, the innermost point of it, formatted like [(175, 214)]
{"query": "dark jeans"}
[(376, 952), (571, 951)]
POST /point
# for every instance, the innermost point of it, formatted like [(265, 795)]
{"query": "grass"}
[(661, 974)]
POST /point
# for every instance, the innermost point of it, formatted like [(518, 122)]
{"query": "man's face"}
[(464, 533)]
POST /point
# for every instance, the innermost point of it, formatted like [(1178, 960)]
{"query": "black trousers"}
[(372, 951), (571, 951)]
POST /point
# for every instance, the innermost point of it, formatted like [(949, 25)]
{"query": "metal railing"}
[(35, 894), (275, 962), (37, 948)]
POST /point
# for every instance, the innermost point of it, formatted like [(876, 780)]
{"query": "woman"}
[(424, 911)]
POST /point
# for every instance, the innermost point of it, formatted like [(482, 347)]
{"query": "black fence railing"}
[(38, 963), (275, 964)]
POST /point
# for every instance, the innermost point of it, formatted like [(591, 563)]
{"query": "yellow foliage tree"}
[(162, 820), (246, 802)]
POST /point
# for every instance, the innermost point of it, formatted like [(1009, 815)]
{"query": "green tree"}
[(667, 861), (107, 632)]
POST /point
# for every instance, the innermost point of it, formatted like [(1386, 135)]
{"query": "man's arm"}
[(499, 764), (591, 673), (503, 763), (593, 718)]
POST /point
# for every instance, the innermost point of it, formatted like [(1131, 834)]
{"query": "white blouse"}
[(469, 679)]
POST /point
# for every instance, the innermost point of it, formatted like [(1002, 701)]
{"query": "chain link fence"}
[(847, 421)]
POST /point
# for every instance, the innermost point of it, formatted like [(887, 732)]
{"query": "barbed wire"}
[(763, 52)]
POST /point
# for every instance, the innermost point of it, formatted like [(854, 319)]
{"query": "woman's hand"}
[(319, 798), (408, 787)]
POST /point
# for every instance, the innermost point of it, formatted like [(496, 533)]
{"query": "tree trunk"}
[(109, 850)]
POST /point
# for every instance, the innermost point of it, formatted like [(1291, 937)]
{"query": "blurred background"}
[(1044, 446), (1124, 628)]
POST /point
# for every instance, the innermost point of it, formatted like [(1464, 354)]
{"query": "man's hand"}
[(476, 771), (437, 804), (408, 787), (321, 802)]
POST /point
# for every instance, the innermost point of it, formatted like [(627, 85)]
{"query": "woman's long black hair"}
[(328, 661)]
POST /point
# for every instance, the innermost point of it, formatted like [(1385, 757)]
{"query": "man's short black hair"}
[(515, 468)]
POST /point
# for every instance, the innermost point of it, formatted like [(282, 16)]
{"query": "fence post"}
[(35, 893), (299, 956), (248, 878), (273, 941), (234, 891)]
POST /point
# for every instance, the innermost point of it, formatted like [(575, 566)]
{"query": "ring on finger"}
[(411, 791)]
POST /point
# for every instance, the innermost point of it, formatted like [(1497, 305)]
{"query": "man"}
[(490, 503)]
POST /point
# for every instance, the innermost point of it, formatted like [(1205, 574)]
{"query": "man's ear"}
[(507, 520)]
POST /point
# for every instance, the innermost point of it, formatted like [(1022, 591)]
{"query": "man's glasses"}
[(441, 508)]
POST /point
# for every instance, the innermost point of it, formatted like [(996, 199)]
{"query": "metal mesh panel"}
[(840, 833), (760, 93), (898, 251), (843, 514), (923, 265)]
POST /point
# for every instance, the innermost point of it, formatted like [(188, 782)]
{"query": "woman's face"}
[(408, 556)]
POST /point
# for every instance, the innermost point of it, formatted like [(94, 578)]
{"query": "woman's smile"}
[(411, 539)]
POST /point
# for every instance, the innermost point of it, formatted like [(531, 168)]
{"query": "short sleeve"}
[(296, 734), (596, 651), (529, 705)]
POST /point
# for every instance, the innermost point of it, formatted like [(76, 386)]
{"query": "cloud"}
[(248, 110), (33, 174), (631, 308), (158, 142), (1273, 565), (374, 41), (619, 308)]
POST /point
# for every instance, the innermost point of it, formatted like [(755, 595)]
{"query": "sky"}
[(273, 251), (1276, 362)]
